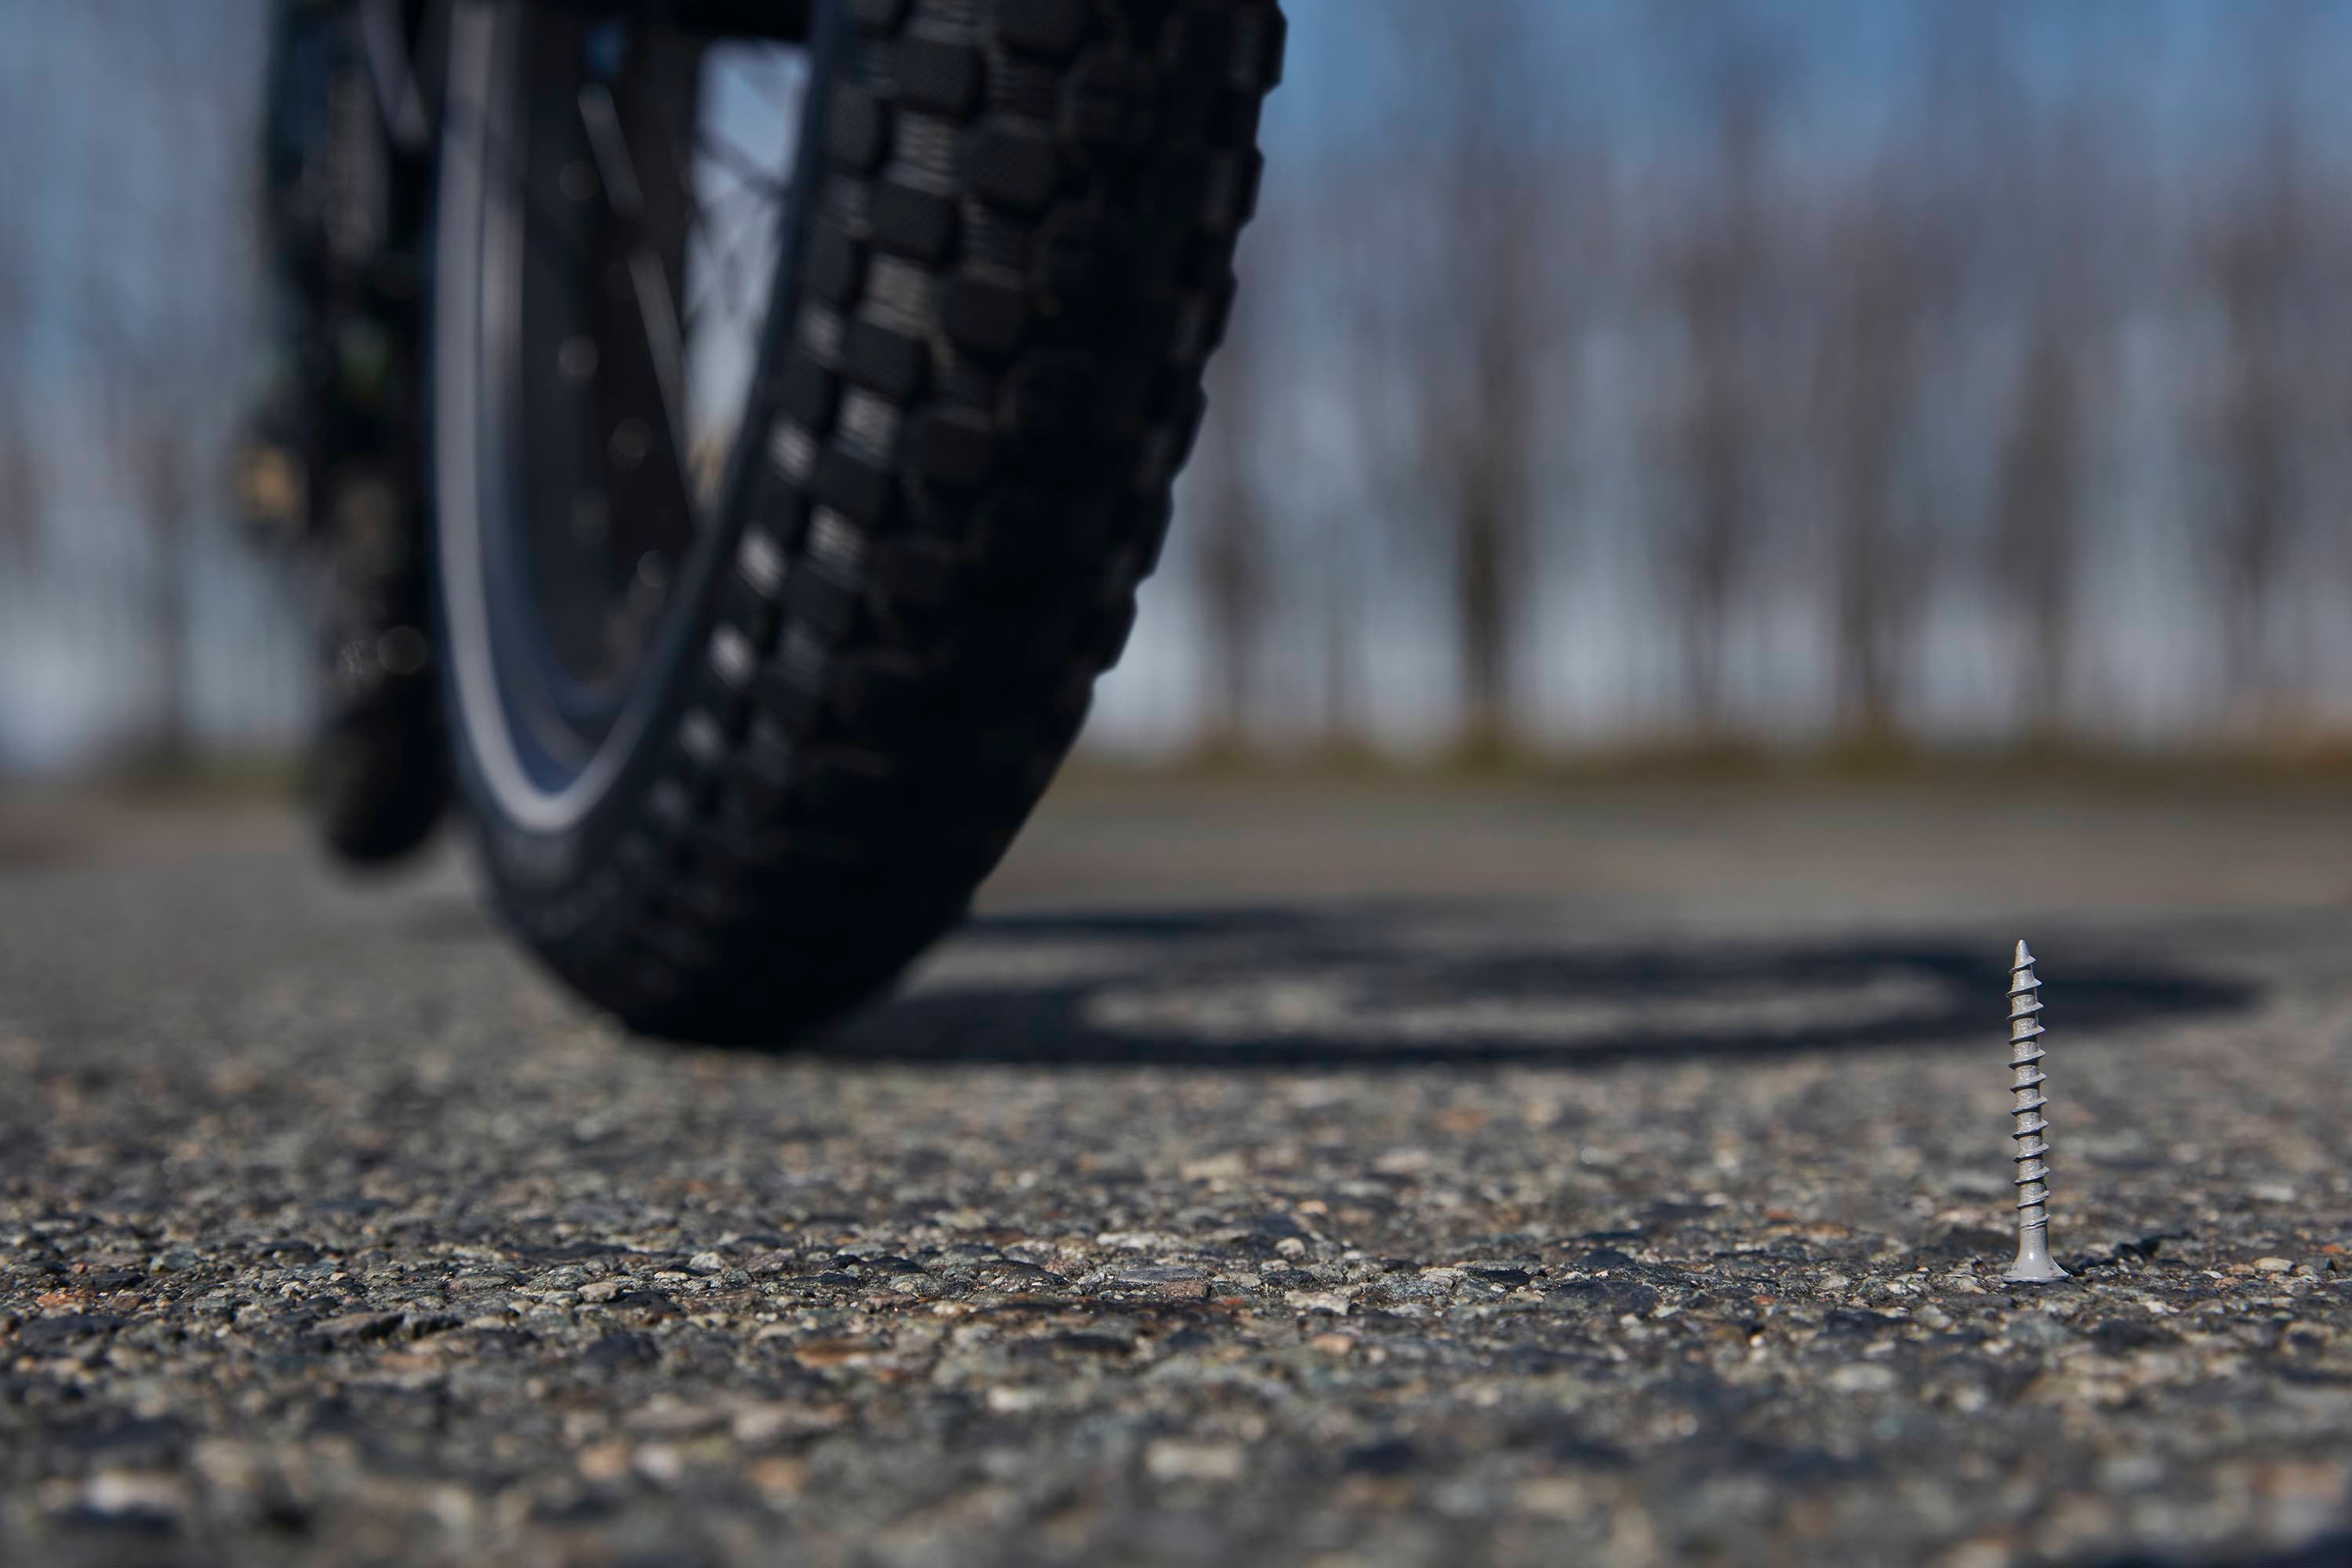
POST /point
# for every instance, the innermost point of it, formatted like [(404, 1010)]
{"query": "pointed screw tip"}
[(2022, 958)]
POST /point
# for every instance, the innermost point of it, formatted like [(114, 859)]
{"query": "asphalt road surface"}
[(1615, 1177)]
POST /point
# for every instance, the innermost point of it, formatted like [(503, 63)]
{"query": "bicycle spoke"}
[(739, 165), (545, 226), (698, 209), (787, 105), (721, 251), (725, 264), (685, 301), (657, 312)]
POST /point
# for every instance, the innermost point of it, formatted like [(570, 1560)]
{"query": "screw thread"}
[(2026, 1100)]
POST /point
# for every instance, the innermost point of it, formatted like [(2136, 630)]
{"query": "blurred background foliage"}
[(1683, 377)]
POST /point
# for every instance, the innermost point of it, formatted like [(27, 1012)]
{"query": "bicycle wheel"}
[(799, 445)]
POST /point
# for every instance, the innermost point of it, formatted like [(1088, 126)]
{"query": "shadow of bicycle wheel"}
[(1404, 987)]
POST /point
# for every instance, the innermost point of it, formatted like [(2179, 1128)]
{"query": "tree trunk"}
[(1232, 551)]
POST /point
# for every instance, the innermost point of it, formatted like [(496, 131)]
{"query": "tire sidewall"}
[(554, 878)]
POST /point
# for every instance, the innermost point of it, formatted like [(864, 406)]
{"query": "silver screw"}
[(2033, 1262)]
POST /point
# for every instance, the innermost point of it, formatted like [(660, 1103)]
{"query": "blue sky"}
[(1852, 59)]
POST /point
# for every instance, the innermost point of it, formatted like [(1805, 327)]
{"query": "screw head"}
[(2033, 1264)]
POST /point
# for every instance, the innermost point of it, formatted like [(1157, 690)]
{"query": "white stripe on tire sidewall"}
[(473, 253)]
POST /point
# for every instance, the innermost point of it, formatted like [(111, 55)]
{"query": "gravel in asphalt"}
[(1168, 1219)]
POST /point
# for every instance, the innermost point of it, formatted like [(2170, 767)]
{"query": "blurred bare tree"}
[(1232, 543), (1482, 313), (1718, 274), (25, 478), (153, 448), (2040, 534), (24, 474), (24, 490), (1365, 341), (2256, 263), (2037, 527), (170, 372), (1884, 549)]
